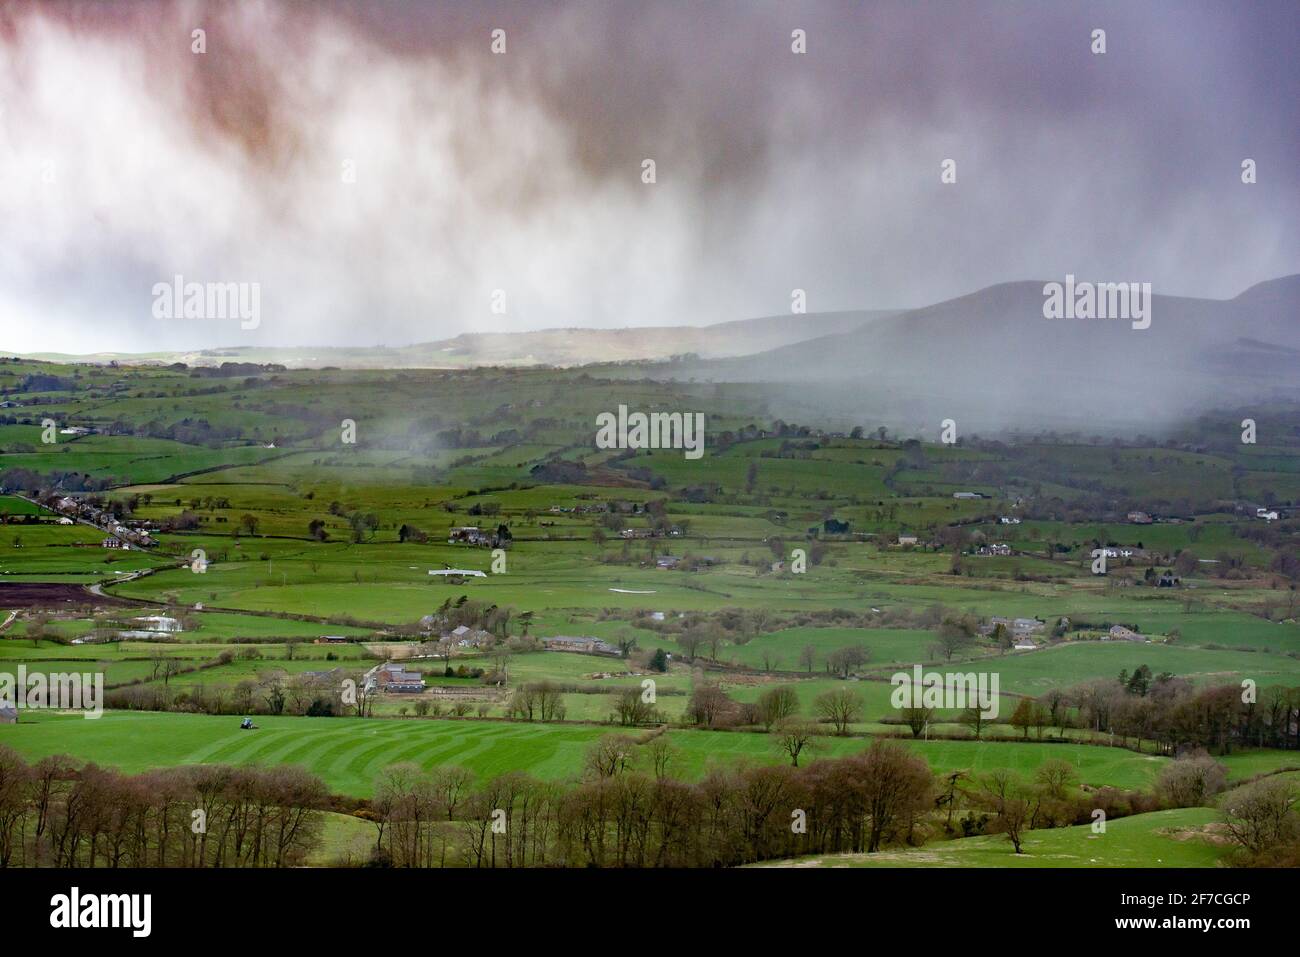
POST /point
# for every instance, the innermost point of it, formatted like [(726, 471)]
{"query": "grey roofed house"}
[(467, 637), (394, 677)]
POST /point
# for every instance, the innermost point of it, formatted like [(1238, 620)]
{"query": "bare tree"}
[(777, 704), (917, 719), (1262, 815), (841, 707), (795, 737), (609, 755), (1004, 793)]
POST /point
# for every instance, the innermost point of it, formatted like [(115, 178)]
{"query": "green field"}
[(1181, 838), (348, 752)]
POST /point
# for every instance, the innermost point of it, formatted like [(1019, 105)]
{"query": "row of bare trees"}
[(628, 811), (1177, 716), (55, 814)]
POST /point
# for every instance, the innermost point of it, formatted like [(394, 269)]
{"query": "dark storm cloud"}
[(521, 172)]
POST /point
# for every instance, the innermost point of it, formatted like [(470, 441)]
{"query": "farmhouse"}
[(667, 561), (585, 644), (468, 535), (907, 539), (964, 495), (111, 542), (1120, 633), (1139, 518), (1017, 626), (330, 640), (467, 637), (395, 678), (1268, 515), (1009, 520)]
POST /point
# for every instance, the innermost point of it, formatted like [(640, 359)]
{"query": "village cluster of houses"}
[(120, 535)]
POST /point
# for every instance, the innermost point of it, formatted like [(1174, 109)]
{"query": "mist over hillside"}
[(990, 360)]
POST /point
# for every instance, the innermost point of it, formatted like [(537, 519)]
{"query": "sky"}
[(384, 177)]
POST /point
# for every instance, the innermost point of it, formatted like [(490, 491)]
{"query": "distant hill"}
[(554, 347), (994, 358)]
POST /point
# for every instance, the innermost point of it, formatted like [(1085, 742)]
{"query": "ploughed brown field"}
[(43, 594)]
